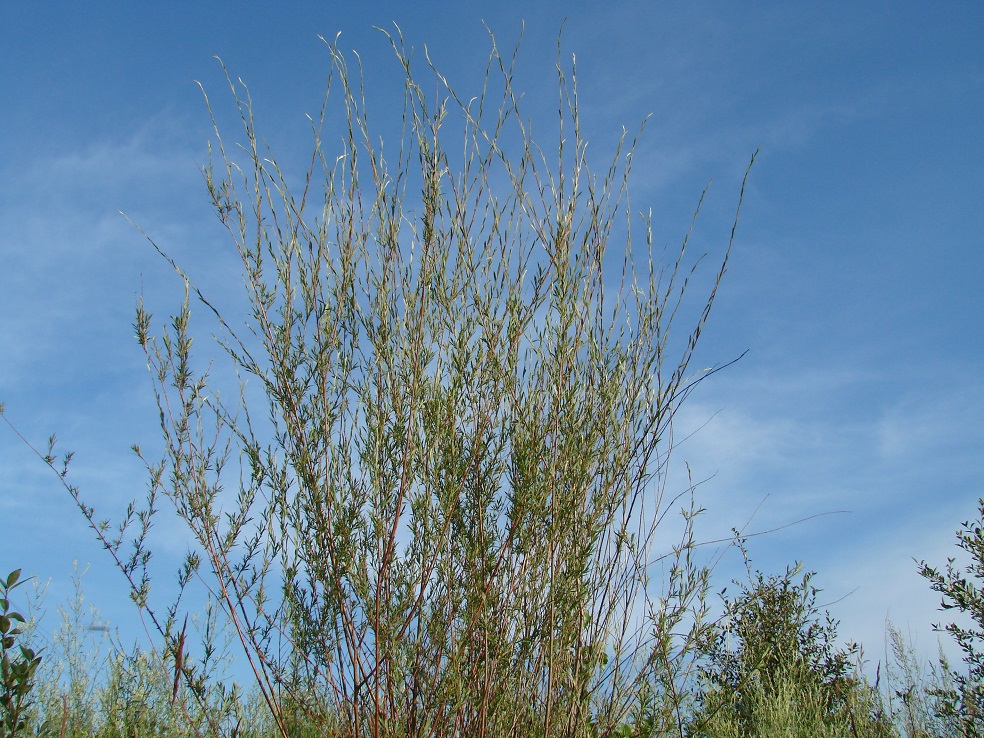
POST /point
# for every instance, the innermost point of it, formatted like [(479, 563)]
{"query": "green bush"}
[(917, 692), (773, 664), (962, 588), (433, 515), (17, 666), (792, 706)]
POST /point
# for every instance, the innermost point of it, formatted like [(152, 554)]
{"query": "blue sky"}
[(854, 284)]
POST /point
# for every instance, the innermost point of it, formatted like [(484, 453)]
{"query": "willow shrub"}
[(438, 518), (772, 666), (962, 588), (17, 666)]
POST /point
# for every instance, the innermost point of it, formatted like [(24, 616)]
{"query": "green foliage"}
[(17, 666), (443, 527), (962, 587), (432, 510), (773, 664), (792, 706), (917, 694), (82, 691), (89, 685)]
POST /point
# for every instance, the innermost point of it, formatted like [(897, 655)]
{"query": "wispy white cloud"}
[(902, 464), (74, 264)]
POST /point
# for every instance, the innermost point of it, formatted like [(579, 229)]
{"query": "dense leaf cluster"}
[(773, 638), (961, 587), (17, 671)]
